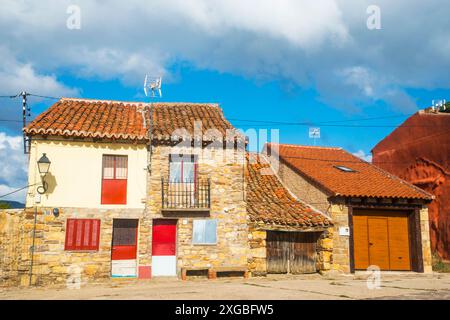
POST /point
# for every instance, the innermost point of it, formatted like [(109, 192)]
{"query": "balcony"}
[(185, 196)]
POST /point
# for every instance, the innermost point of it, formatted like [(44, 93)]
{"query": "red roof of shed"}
[(321, 166), (270, 203)]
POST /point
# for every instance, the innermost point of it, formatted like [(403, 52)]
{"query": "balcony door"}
[(183, 169), (183, 180)]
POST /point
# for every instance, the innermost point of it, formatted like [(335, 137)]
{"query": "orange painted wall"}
[(419, 152)]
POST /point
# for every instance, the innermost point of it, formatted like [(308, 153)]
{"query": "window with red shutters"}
[(114, 179), (82, 234)]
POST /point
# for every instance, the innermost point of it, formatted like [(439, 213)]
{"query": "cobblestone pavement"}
[(392, 286)]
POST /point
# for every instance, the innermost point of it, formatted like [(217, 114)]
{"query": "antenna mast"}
[(152, 89), (314, 133)]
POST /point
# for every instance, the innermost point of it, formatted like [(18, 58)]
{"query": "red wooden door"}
[(124, 246), (164, 237)]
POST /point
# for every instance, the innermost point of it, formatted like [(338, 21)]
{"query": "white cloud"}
[(309, 44), (15, 76), (359, 77), (321, 44), (110, 63), (13, 169), (305, 24), (361, 154), (364, 85)]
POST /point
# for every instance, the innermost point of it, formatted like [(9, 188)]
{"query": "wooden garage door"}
[(381, 238), (291, 252)]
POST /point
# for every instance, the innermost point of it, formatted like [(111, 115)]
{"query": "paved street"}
[(393, 286)]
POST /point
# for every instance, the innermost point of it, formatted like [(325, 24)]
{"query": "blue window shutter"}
[(211, 231), (198, 231), (204, 232)]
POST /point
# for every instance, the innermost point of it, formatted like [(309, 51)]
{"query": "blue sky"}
[(283, 61), (244, 99)]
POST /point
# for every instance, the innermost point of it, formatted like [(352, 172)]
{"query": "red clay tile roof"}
[(318, 164), (270, 203), (86, 118)]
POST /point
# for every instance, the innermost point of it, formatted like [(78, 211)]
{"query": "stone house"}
[(113, 205), (417, 151), (286, 235), (378, 219)]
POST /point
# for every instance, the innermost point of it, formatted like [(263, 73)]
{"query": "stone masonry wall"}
[(341, 243), (51, 263), (302, 188), (426, 241), (12, 238), (325, 251), (257, 263), (227, 206)]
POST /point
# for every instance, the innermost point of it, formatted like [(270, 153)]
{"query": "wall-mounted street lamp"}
[(43, 166)]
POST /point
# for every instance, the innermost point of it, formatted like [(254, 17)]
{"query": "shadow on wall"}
[(51, 181)]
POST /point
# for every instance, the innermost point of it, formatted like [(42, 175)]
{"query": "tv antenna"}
[(438, 105), (154, 85), (314, 133)]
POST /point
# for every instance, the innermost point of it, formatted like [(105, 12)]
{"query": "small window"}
[(124, 232), (345, 169), (204, 232), (82, 234)]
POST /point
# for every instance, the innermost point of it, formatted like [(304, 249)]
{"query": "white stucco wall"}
[(76, 173)]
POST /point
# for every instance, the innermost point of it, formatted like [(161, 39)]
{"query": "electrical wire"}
[(324, 124), (29, 94), (45, 97), (17, 190), (332, 123)]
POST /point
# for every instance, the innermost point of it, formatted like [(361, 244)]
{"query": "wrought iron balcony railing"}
[(186, 195)]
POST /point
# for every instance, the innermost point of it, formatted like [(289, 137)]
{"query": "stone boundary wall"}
[(15, 241), (51, 263)]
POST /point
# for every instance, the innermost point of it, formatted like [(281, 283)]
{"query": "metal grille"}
[(186, 195)]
